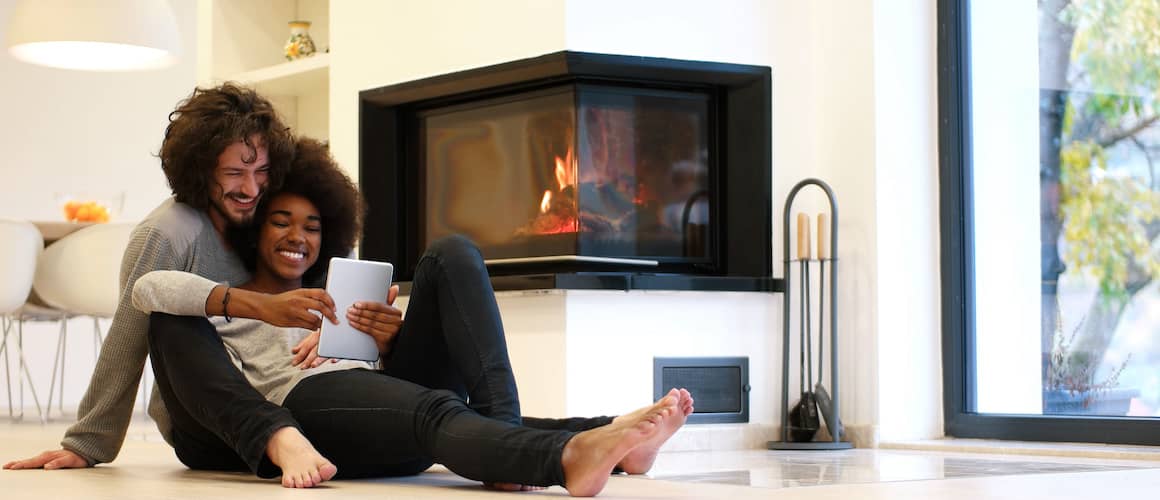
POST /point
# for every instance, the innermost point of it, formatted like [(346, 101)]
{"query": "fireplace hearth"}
[(577, 170)]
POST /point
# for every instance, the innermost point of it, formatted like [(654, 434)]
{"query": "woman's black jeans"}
[(220, 422), (446, 393)]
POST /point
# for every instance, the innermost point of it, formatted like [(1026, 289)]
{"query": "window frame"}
[(956, 204)]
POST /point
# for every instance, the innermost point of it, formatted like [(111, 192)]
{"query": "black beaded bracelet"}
[(226, 305)]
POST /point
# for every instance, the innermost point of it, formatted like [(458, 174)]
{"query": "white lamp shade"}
[(96, 35)]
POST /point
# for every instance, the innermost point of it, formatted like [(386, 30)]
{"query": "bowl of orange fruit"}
[(89, 208)]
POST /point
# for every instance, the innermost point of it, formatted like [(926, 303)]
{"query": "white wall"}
[(734, 31), (905, 201), (825, 85), (77, 132), (613, 336), (855, 105)]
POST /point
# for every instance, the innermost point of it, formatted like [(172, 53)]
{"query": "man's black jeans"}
[(446, 393)]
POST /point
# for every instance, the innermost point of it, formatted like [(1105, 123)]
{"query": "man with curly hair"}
[(223, 149)]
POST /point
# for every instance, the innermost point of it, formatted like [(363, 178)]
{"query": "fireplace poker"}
[(821, 299), (825, 404), (807, 285)]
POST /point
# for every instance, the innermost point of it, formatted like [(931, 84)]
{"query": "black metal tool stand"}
[(785, 443)]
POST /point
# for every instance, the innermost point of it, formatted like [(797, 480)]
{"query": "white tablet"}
[(349, 281)]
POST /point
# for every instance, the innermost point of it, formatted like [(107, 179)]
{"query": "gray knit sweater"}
[(175, 237), (261, 351)]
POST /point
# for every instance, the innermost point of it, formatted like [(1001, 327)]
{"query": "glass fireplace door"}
[(574, 170)]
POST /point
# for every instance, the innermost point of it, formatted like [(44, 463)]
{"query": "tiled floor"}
[(788, 469), (147, 469)]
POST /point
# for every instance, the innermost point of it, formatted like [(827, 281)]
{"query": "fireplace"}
[(577, 167)]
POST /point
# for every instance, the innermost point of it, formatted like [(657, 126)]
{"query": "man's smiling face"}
[(238, 182)]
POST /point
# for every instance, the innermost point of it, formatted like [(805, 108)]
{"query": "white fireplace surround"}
[(590, 352)]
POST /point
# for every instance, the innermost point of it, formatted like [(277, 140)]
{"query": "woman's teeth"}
[(292, 255)]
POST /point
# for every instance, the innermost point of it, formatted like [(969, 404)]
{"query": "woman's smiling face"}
[(290, 238)]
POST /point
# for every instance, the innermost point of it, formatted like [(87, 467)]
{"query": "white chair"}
[(80, 274), (20, 246)]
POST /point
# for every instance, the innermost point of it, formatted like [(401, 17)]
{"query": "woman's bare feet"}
[(641, 458), (302, 465), (589, 456)]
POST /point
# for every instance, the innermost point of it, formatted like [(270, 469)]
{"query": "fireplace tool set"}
[(801, 422)]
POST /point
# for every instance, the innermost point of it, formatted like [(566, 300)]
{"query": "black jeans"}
[(399, 421), (220, 422), (451, 348)]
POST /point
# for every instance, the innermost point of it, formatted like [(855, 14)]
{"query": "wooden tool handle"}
[(823, 238), (803, 236)]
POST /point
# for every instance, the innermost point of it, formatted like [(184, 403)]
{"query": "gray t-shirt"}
[(174, 236), (261, 351)]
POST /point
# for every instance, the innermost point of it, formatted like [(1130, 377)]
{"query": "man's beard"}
[(246, 220)]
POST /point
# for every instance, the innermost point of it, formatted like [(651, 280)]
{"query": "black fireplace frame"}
[(389, 174)]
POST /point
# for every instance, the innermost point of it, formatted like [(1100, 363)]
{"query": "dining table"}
[(55, 230)]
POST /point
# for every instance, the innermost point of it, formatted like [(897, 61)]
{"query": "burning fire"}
[(565, 176), (566, 170), (558, 212), (546, 203)]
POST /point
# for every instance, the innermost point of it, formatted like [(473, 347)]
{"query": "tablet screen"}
[(349, 281)]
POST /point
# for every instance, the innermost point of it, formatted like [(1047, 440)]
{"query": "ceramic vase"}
[(299, 44)]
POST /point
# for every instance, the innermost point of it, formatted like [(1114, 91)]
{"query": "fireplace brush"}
[(803, 418)]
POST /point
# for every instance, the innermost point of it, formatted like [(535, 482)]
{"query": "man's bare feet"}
[(302, 465), (589, 456), (641, 458)]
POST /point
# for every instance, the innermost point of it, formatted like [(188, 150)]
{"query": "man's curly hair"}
[(209, 121), (315, 175)]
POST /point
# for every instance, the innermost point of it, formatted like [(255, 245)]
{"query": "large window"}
[(1050, 209)]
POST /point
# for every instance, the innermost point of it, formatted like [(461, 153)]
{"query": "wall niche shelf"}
[(243, 41), (309, 75)]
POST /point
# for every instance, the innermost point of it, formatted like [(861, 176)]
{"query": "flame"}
[(560, 218), (561, 173), (565, 170), (546, 203)]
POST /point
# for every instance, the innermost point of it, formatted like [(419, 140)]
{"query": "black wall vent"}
[(720, 386)]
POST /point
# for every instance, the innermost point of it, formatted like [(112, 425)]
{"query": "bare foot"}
[(590, 455), (302, 465), (641, 458)]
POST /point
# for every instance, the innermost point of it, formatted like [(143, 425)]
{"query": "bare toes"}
[(328, 471)]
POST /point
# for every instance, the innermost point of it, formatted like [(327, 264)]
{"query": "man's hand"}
[(294, 308), (49, 460), (306, 353), (379, 320)]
